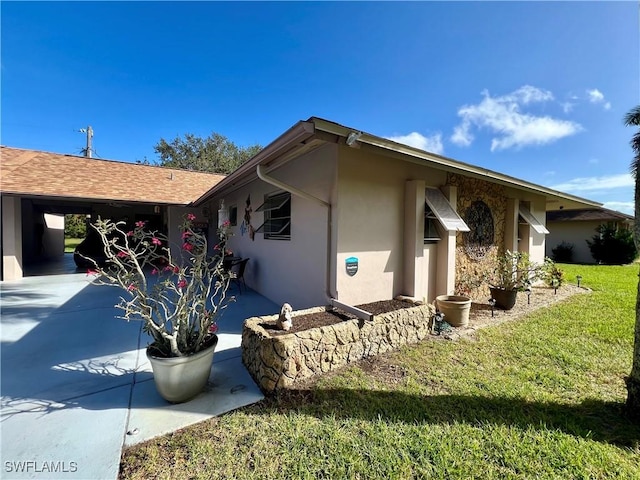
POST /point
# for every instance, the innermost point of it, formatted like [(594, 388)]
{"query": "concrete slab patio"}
[(75, 379)]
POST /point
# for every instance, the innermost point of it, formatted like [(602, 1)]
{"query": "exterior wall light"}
[(353, 137)]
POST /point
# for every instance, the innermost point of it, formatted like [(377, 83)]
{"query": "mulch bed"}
[(479, 317), (331, 317)]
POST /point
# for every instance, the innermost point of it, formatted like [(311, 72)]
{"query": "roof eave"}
[(289, 140), (449, 164)]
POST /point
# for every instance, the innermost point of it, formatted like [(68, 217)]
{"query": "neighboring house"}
[(329, 214), (575, 227), (38, 188)]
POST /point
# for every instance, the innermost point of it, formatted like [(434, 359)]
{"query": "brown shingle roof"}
[(586, 214), (32, 172)]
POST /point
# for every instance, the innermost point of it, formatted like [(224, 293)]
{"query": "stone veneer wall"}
[(469, 191), (278, 361)]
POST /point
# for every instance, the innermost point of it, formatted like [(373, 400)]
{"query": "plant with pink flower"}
[(179, 299)]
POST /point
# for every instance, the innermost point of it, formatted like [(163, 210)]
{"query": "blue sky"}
[(533, 90)]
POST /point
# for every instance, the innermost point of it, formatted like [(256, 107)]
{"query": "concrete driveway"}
[(76, 385)]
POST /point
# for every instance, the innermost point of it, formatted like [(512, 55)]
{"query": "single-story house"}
[(575, 227), (329, 214), (37, 188)]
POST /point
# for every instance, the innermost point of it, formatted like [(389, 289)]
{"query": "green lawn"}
[(541, 398), (70, 244)]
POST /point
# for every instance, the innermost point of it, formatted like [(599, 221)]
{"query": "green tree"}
[(632, 119), (214, 154), (612, 245), (75, 225)]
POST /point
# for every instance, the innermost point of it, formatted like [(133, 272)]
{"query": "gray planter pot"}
[(455, 308), (179, 379), (505, 299)]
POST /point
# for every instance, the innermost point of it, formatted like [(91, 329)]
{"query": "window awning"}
[(531, 220), (274, 203), (444, 212)]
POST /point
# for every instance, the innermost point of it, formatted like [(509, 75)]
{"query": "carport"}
[(38, 188)]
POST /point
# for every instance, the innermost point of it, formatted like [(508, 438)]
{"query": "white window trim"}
[(444, 212), (531, 220)]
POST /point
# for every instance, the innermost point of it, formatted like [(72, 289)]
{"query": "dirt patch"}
[(331, 317)]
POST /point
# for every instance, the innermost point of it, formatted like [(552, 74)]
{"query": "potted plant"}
[(513, 272), (455, 308), (179, 303)]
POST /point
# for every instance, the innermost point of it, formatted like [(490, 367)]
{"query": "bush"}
[(75, 226), (552, 275), (613, 246), (563, 252)]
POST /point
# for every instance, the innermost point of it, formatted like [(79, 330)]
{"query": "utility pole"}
[(89, 132)]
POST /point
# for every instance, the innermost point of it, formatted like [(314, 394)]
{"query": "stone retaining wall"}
[(278, 361)]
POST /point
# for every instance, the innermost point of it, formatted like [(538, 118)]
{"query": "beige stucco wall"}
[(576, 233), (370, 223), (11, 238), (368, 194), (53, 235), (292, 270)]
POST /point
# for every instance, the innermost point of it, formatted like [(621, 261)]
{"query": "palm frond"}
[(632, 118)]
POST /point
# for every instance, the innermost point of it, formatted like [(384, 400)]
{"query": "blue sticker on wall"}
[(352, 266)]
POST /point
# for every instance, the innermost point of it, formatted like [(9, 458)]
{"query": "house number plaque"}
[(352, 266)]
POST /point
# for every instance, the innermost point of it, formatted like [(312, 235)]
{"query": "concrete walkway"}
[(75, 379)]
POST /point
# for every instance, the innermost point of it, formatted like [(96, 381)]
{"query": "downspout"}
[(296, 191)]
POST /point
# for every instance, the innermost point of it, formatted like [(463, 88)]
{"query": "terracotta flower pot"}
[(455, 308), (179, 379)]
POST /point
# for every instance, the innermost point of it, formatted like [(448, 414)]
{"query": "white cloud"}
[(590, 184), (567, 107), (431, 144), (597, 97), (503, 117), (624, 207), (461, 134)]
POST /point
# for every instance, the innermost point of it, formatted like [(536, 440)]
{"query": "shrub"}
[(514, 271), (563, 252), (552, 275), (612, 245)]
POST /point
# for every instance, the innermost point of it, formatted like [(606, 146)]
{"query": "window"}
[(526, 215), (438, 211), (430, 230), (233, 215), (444, 212), (277, 216)]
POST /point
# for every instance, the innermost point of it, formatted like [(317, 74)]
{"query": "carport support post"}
[(11, 238)]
